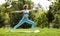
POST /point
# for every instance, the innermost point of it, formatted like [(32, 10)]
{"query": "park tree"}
[(54, 9), (57, 14)]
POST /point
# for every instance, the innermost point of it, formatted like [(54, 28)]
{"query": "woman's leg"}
[(19, 24), (30, 22)]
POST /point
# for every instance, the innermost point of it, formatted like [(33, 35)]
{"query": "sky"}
[(2, 1), (45, 4)]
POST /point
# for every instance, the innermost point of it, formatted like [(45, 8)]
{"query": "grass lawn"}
[(43, 32)]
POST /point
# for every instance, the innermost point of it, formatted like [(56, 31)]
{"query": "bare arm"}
[(17, 11), (35, 10)]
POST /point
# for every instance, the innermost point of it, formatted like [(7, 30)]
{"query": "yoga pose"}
[(25, 17)]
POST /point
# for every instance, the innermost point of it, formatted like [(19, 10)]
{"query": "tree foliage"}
[(41, 18)]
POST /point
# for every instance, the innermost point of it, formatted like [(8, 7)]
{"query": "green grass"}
[(43, 32)]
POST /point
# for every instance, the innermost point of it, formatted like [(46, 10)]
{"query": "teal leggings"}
[(24, 19)]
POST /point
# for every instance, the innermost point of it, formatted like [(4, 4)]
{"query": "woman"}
[(25, 18)]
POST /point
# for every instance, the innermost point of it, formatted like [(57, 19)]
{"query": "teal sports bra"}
[(26, 12)]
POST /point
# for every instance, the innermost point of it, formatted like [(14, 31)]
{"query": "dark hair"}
[(25, 6)]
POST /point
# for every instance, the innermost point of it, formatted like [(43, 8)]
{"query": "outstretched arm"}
[(17, 11), (35, 10)]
